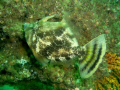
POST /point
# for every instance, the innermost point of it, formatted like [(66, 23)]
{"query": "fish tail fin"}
[(94, 52)]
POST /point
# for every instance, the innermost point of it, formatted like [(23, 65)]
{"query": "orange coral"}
[(113, 61), (112, 81)]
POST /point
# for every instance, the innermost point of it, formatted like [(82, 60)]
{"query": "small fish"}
[(55, 42)]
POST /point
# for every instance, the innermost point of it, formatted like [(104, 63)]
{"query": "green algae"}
[(34, 85), (7, 87), (29, 85)]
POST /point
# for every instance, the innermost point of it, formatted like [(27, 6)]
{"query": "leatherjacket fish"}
[(55, 42)]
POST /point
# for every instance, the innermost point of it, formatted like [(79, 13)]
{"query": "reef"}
[(113, 80), (91, 18)]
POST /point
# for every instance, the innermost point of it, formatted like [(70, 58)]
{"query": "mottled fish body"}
[(51, 41), (55, 42)]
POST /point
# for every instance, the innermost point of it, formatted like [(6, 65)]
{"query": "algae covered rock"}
[(17, 62)]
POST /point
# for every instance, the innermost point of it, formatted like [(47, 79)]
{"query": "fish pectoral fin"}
[(95, 51)]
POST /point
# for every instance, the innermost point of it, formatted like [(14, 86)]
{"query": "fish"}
[(55, 43), (95, 50)]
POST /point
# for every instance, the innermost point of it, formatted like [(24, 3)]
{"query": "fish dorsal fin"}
[(95, 51), (69, 23)]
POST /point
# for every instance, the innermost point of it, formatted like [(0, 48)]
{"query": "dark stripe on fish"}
[(59, 31), (67, 58), (82, 60), (45, 52), (96, 61), (55, 46), (91, 59), (40, 34), (57, 59), (50, 33)]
